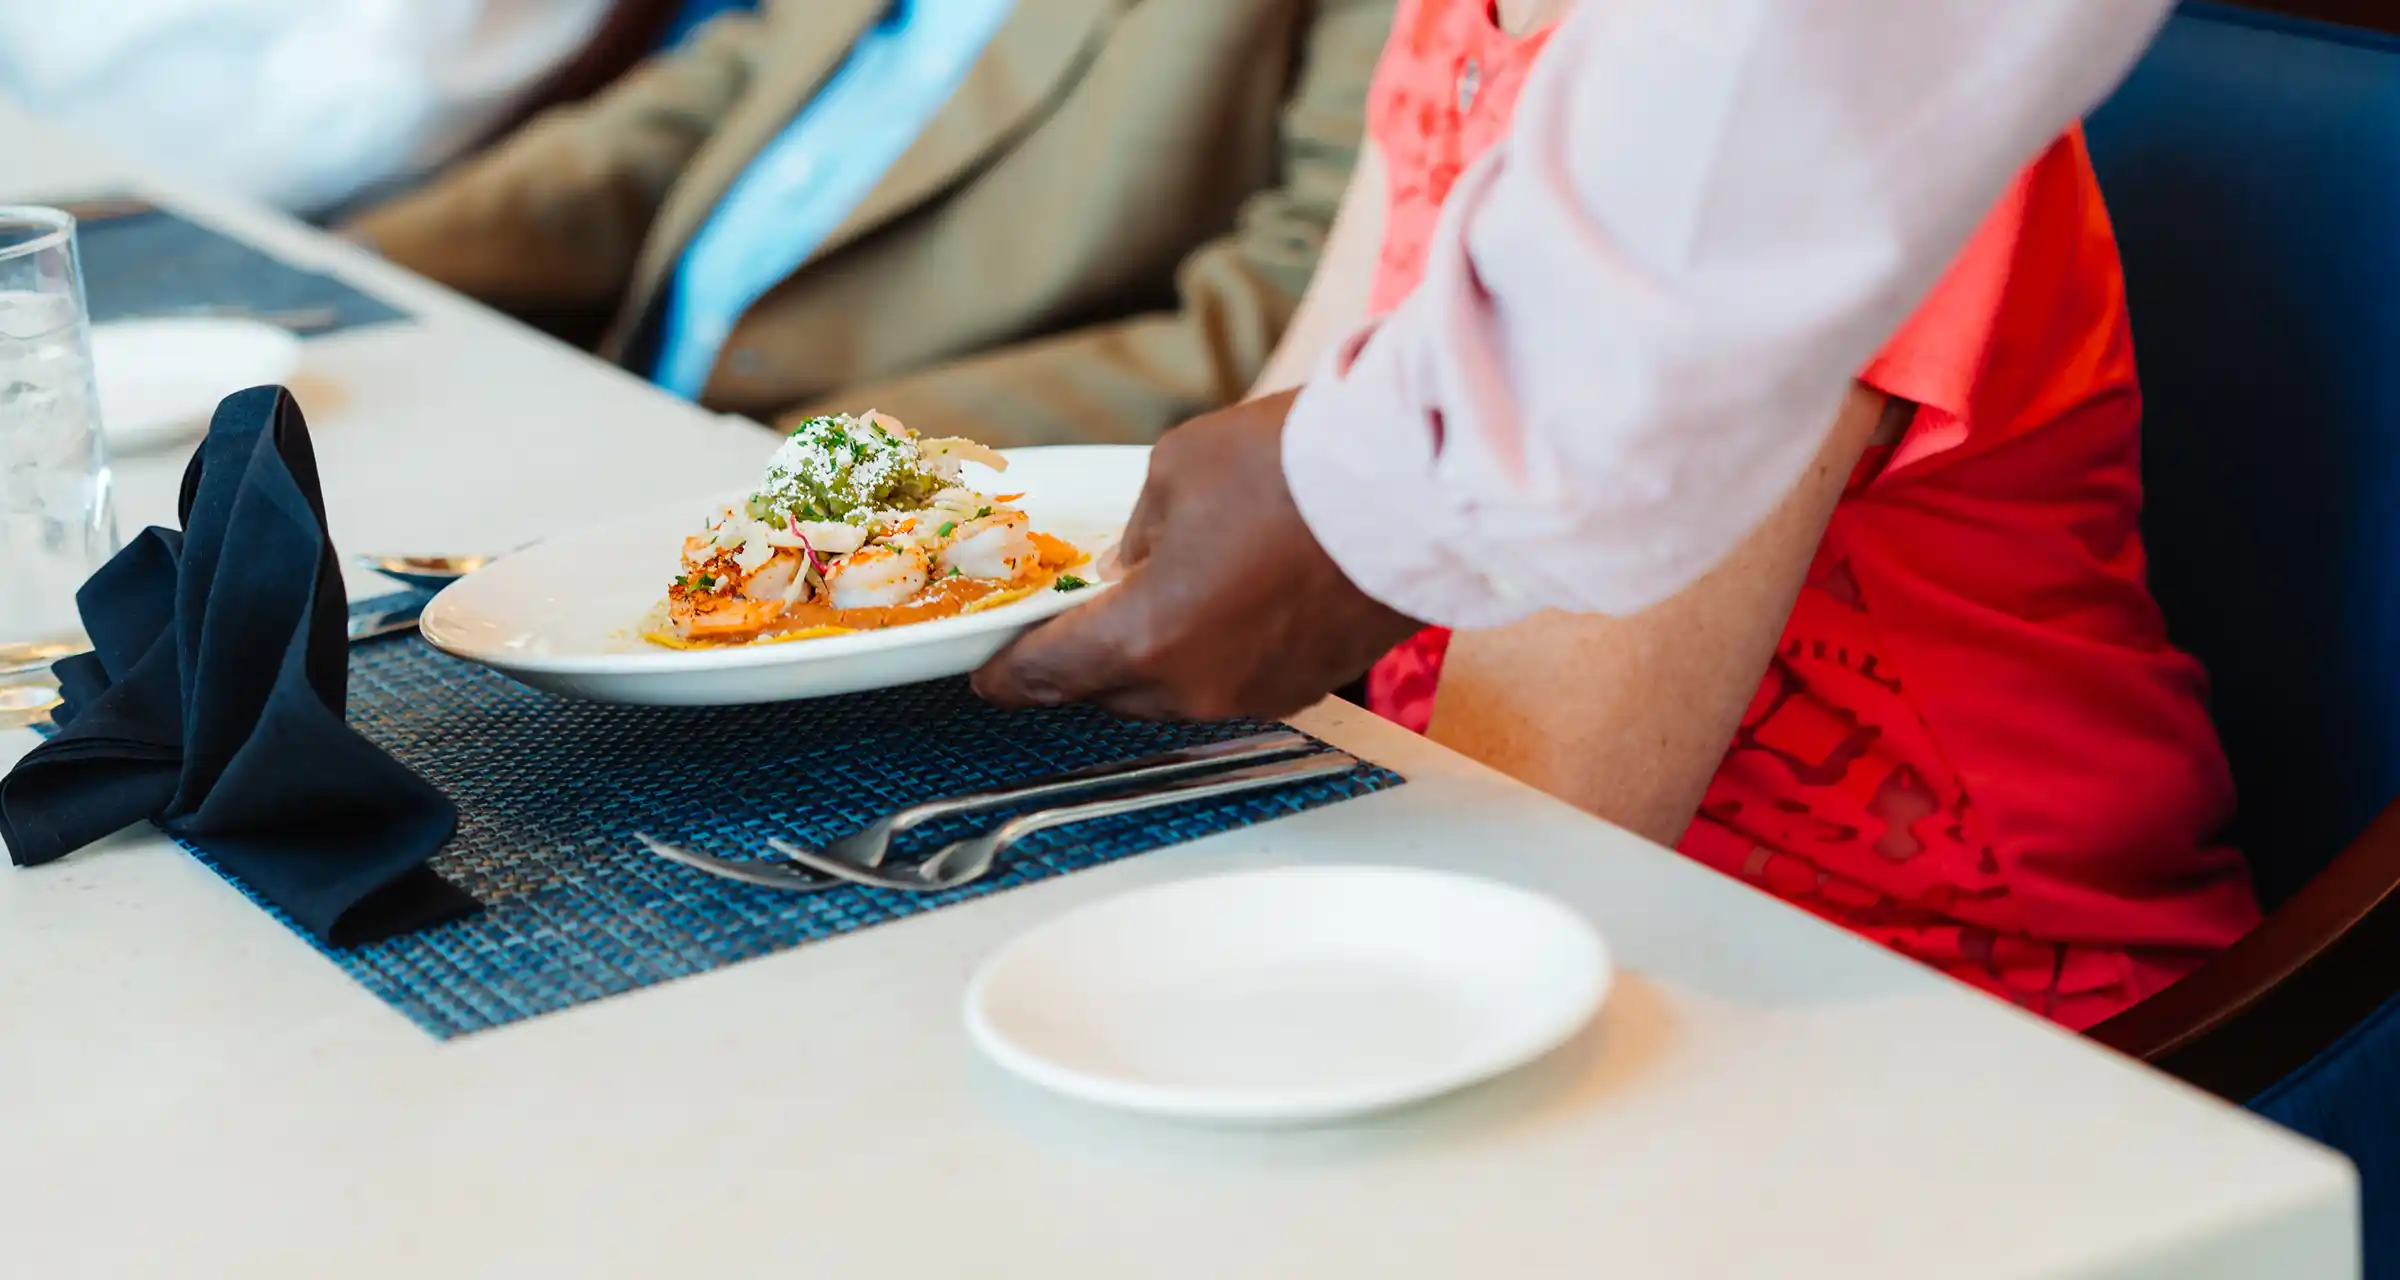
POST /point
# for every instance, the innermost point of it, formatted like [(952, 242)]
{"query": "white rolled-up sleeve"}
[(1642, 309)]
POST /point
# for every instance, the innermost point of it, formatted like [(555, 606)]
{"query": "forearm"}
[(1628, 717), (1641, 309)]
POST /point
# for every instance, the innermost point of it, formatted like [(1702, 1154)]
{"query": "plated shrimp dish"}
[(860, 524)]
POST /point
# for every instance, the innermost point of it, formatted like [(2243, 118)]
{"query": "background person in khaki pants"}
[(1100, 230)]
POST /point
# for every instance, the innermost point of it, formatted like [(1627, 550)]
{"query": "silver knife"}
[(368, 626)]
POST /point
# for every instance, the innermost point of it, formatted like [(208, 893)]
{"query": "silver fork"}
[(868, 846), (969, 860)]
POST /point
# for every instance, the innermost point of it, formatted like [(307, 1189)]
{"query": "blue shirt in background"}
[(800, 188)]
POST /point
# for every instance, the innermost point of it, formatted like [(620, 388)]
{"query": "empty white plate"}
[(160, 380), (1290, 996)]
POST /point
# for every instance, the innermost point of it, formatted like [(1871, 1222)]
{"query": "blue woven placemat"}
[(159, 263), (550, 792)]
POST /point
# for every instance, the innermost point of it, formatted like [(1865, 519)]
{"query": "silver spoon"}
[(429, 572)]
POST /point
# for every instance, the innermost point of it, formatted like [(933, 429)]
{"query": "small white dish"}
[(160, 380), (566, 613), (1293, 996)]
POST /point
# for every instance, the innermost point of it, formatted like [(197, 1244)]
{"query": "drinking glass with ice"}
[(57, 518)]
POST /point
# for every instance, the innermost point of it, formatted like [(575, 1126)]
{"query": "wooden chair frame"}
[(2315, 968)]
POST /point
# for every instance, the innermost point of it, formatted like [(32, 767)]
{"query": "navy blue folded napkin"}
[(212, 703)]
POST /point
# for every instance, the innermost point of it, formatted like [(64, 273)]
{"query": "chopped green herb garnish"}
[(954, 571), (708, 582), (1069, 582), (981, 512), (839, 468), (944, 531)]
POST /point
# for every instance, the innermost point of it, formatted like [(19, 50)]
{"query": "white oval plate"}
[(566, 614), (1291, 996), (160, 380)]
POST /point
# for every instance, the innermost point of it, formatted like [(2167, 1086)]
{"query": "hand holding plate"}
[(1226, 606)]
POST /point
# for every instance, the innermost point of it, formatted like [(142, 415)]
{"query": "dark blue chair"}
[(2252, 166)]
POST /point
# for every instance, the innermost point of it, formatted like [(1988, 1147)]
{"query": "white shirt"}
[(301, 104), (1641, 310)]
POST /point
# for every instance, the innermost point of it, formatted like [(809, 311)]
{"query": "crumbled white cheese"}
[(836, 468)]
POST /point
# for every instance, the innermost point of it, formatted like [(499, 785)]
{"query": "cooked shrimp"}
[(709, 617), (831, 538), (997, 547), (779, 579), (877, 577)]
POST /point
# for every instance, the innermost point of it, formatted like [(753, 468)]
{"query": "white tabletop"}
[(186, 1089)]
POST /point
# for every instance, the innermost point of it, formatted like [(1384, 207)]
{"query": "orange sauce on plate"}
[(944, 598)]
